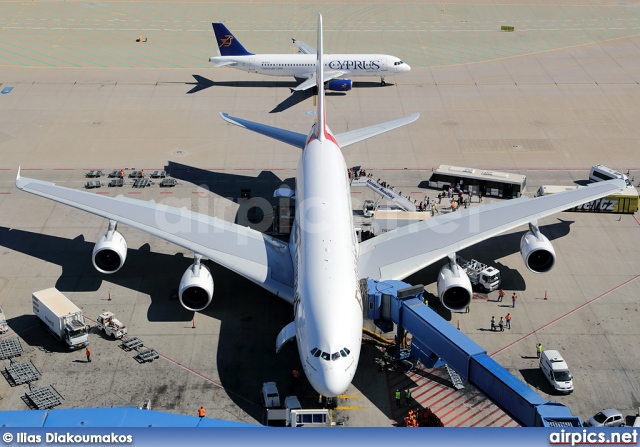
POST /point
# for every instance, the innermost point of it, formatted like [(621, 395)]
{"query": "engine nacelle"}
[(339, 85), (110, 252), (196, 287), (454, 287), (537, 252)]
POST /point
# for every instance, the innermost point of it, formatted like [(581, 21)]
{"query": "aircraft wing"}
[(311, 80), (258, 257), (353, 136), (405, 250), (286, 136), (303, 47)]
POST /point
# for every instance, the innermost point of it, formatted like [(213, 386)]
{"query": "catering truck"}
[(63, 318)]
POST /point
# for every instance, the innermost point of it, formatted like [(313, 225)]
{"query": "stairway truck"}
[(481, 275), (63, 318)]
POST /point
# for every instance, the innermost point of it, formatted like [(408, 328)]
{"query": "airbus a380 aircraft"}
[(337, 67), (318, 270)]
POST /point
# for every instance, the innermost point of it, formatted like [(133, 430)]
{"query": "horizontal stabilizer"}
[(353, 136), (293, 138), (222, 64), (303, 47)]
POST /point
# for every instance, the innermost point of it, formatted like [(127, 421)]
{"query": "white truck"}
[(63, 318), (481, 275), (291, 413), (111, 326), (269, 395)]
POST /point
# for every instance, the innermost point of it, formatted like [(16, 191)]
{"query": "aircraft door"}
[(251, 66), (383, 65)]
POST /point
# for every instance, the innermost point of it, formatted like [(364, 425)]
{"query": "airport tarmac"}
[(548, 112)]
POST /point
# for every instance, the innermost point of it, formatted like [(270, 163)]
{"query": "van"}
[(556, 370), (601, 173)]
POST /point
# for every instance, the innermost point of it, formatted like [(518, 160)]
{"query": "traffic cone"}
[(545, 294)]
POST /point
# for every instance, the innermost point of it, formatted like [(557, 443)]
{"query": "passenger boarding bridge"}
[(436, 340)]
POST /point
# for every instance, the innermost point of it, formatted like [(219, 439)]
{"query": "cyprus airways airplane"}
[(318, 270), (231, 53)]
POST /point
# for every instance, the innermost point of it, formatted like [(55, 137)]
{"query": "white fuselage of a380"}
[(326, 270)]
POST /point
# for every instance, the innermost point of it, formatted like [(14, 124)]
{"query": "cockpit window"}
[(317, 353), (313, 351), (347, 351), (325, 356), (342, 353), (398, 63), (335, 356)]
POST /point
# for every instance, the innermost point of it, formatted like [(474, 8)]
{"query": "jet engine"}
[(339, 85), (110, 251), (454, 287), (536, 250), (196, 287)]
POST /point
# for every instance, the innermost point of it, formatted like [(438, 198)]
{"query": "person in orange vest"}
[(121, 173), (88, 355), (295, 374), (142, 173), (500, 295), (201, 412), (508, 320)]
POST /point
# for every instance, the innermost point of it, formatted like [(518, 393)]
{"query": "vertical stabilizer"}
[(321, 126), (228, 45)]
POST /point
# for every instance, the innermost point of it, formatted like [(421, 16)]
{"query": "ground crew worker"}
[(142, 173), (397, 398), (121, 173), (493, 323), (539, 349), (295, 374), (500, 295), (508, 320), (407, 394), (501, 324), (513, 299), (88, 355), (201, 412)]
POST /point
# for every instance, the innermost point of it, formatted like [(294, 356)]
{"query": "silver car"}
[(606, 418)]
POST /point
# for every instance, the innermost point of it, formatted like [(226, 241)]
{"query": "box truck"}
[(63, 318)]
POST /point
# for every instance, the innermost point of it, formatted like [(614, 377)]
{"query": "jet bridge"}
[(436, 341)]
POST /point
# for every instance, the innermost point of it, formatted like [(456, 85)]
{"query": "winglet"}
[(19, 183)]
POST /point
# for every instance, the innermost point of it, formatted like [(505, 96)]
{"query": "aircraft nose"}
[(406, 66), (332, 383)]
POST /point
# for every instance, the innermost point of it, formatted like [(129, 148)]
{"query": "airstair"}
[(386, 193)]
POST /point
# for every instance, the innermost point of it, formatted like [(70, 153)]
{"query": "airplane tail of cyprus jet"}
[(228, 45)]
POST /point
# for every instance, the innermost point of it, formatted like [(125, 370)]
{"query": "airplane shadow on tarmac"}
[(296, 97)]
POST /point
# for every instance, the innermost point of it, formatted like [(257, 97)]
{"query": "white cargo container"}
[(63, 318)]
